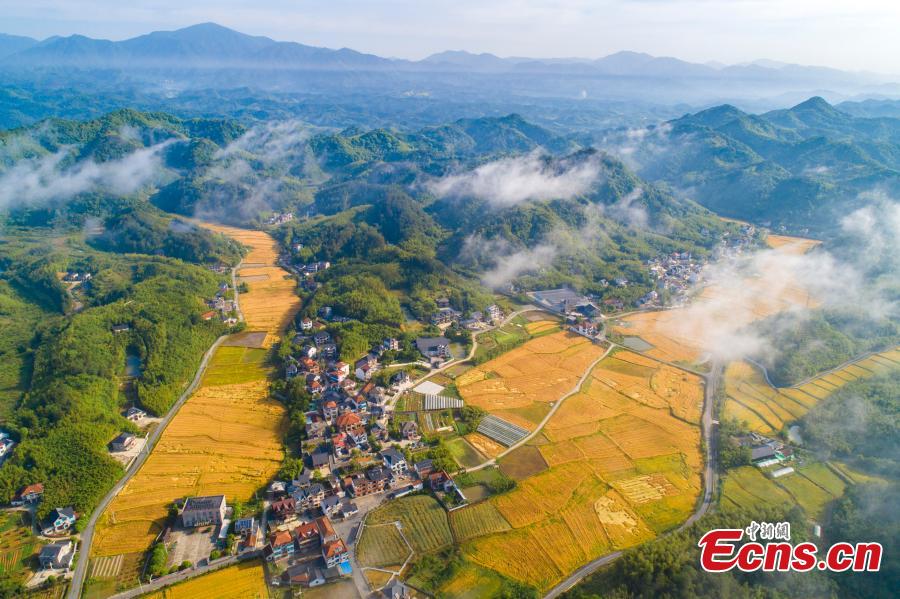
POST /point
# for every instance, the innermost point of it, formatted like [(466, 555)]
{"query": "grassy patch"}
[(423, 519), (382, 546), (464, 454)]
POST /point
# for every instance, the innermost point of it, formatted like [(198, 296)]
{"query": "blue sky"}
[(857, 34)]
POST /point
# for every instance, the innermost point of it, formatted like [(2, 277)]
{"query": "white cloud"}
[(47, 178), (510, 181)]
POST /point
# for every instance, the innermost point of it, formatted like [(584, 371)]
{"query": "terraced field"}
[(227, 438), (624, 462), (810, 487), (766, 409)]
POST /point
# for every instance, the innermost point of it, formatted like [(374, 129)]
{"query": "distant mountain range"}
[(801, 168), (185, 58)]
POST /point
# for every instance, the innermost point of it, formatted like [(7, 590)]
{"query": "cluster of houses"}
[(221, 307), (57, 555), (279, 218), (766, 453), (77, 277), (675, 273), (446, 316)]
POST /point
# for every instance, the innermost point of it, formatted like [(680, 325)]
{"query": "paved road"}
[(710, 479), (87, 536)]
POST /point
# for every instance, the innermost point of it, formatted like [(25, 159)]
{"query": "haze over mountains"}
[(196, 56)]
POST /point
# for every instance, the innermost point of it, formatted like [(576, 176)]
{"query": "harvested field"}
[(477, 520), (541, 370), (245, 580), (226, 440), (381, 546), (484, 445), (523, 462), (623, 466)]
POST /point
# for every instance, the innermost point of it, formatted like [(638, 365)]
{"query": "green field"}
[(464, 454), (17, 545), (233, 365), (747, 487), (382, 546), (423, 519), (477, 520)]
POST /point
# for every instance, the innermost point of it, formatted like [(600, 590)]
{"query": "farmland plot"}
[(242, 581), (623, 459), (227, 438)]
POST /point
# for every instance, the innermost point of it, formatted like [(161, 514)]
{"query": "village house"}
[(57, 556), (320, 461), (123, 442), (321, 338), (395, 590), (203, 510), (6, 445), (335, 553), (124, 328), (281, 544), (59, 521), (440, 481), (423, 468), (29, 495), (494, 313), (348, 421), (374, 480), (284, 508), (306, 536), (135, 414), (433, 347), (366, 367), (306, 324), (394, 460), (331, 505), (390, 344), (348, 508), (410, 430)]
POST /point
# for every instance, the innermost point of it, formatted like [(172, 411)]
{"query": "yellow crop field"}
[(791, 245), (242, 581), (541, 326), (272, 300), (485, 445), (541, 370), (226, 438), (765, 409), (624, 464)]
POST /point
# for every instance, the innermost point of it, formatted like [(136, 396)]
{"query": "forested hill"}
[(802, 168)]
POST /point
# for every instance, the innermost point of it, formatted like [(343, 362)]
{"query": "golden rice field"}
[(242, 581), (624, 465), (272, 300), (226, 438), (765, 409), (686, 334), (515, 384)]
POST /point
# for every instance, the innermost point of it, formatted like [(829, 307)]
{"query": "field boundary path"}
[(87, 536)]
